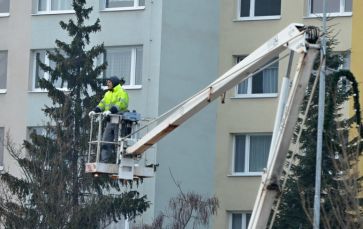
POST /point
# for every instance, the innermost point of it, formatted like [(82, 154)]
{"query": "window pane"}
[(245, 8), (138, 70), (242, 87), (42, 5), (248, 217), (348, 6), (3, 69), (236, 221), (119, 3), (58, 82), (119, 63), (267, 7), (4, 6), (239, 154), (61, 5), (331, 7), (257, 83), (39, 73), (259, 149), (265, 81), (270, 79), (141, 2)]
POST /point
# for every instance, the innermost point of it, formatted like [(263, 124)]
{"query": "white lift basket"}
[(124, 167)]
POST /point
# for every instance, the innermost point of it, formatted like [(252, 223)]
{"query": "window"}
[(333, 7), (124, 4), (3, 70), (38, 73), (41, 131), (239, 220), (2, 146), (262, 84), (4, 7), (125, 62), (264, 9), (250, 153), (47, 6)]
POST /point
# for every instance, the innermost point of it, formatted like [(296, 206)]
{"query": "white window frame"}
[(244, 218), (46, 74), (7, 14), (3, 90), (249, 93), (252, 16), (49, 10), (132, 84), (246, 171), (135, 7), (334, 14)]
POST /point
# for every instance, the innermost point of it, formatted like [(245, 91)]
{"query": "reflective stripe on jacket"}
[(117, 97)]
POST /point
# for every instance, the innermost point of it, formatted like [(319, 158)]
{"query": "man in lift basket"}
[(114, 101)]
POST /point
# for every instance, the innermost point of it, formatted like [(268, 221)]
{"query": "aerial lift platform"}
[(298, 39)]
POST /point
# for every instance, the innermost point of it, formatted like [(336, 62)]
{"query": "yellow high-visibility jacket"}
[(116, 97)]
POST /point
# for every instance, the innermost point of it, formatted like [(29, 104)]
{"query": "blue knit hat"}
[(115, 80)]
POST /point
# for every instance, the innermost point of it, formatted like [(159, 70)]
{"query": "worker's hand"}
[(91, 113), (106, 113)]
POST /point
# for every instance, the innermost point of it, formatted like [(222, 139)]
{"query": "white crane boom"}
[(295, 37), (292, 37), (269, 187)]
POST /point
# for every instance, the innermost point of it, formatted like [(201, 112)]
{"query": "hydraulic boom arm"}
[(293, 37)]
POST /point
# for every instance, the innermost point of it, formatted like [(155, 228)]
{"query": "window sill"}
[(126, 87), (123, 9), (346, 14), (2, 91), (40, 13), (255, 96), (257, 18), (132, 87), (4, 14), (45, 91), (254, 174)]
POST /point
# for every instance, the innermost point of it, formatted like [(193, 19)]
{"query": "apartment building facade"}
[(245, 121), (357, 52), (166, 51)]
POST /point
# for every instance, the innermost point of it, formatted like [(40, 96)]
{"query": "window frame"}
[(127, 8), (3, 90), (46, 74), (132, 84), (244, 218), (49, 9), (249, 93), (333, 14), (252, 16), (246, 171)]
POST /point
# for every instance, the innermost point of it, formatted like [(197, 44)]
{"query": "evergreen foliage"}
[(339, 182), (53, 190)]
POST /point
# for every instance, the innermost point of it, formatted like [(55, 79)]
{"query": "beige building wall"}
[(14, 38), (252, 115), (357, 54)]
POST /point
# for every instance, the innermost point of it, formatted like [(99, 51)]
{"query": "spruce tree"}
[(54, 191), (341, 149)]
